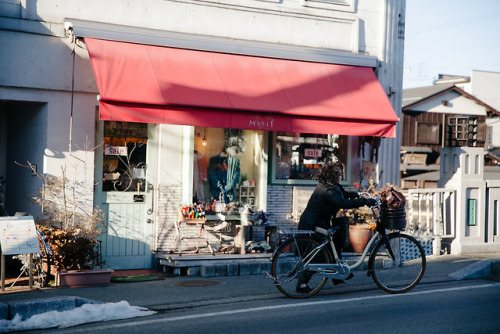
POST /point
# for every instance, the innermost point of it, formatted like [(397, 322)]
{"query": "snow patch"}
[(77, 316)]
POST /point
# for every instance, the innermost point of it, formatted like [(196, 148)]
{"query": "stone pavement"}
[(174, 292)]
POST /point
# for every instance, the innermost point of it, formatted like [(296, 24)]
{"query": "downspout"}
[(73, 54)]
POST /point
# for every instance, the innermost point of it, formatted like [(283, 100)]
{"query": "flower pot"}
[(84, 278), (359, 235)]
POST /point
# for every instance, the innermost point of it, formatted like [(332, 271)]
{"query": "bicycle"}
[(39, 274), (396, 262)]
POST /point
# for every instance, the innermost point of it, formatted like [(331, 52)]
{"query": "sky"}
[(450, 37)]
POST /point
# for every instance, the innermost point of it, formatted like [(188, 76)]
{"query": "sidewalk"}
[(169, 292)]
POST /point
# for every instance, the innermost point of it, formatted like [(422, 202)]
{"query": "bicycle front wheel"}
[(398, 266), (289, 268)]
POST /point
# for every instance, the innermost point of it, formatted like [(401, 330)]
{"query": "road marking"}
[(274, 307)]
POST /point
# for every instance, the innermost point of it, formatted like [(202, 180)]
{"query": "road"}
[(451, 307)]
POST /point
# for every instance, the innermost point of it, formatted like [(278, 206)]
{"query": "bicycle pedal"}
[(338, 281), (268, 275)]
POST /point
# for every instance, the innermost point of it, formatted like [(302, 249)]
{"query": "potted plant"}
[(72, 226), (361, 227), (75, 255), (361, 222)]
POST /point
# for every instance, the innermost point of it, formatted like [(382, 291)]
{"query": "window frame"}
[(426, 140)]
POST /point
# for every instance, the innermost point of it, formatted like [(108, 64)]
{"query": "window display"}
[(224, 174), (299, 156), (224, 161), (124, 160)]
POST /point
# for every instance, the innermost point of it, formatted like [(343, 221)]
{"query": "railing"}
[(432, 213)]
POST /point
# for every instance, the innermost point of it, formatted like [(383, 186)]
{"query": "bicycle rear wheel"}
[(400, 267), (288, 264)]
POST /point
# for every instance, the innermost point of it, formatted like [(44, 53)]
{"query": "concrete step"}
[(228, 264)]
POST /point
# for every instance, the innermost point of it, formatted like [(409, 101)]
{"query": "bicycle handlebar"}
[(368, 195)]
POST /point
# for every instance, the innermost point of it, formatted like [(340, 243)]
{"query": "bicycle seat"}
[(329, 232)]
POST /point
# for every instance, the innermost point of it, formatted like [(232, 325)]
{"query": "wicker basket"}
[(393, 219)]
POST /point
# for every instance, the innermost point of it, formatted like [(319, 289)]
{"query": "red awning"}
[(153, 84)]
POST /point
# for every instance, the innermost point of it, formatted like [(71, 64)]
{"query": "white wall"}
[(457, 104), (43, 62), (287, 21), (486, 87), (37, 71)]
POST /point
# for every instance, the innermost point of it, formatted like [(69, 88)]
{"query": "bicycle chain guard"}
[(337, 271)]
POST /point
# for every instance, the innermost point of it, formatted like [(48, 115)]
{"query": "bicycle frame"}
[(340, 270)]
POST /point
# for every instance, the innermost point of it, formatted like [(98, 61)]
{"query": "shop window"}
[(298, 157), (428, 133), (227, 166), (124, 160)]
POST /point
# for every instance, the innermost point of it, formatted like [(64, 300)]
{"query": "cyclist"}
[(327, 199)]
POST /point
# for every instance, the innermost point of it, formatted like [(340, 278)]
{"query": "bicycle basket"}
[(393, 219)]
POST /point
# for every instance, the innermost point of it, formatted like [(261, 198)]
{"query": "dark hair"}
[(330, 172)]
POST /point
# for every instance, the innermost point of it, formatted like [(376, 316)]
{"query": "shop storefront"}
[(231, 129), (271, 89)]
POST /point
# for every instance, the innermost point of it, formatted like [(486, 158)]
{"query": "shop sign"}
[(301, 197), (313, 153), (261, 124), (369, 171), (115, 150)]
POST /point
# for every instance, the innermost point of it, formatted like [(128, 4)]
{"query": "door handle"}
[(152, 189)]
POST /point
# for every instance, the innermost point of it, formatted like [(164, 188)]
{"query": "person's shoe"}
[(303, 288), (342, 281)]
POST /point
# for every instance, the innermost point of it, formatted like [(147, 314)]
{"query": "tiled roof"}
[(414, 95)]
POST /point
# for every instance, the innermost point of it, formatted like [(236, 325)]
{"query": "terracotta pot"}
[(84, 278), (359, 235)]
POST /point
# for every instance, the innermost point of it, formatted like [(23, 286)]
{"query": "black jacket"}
[(324, 204)]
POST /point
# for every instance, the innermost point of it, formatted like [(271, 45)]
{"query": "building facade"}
[(151, 105), (444, 115)]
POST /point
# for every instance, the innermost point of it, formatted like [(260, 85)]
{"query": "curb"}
[(489, 269), (27, 309), (495, 270)]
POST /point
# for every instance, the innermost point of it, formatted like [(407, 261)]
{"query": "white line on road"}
[(291, 305)]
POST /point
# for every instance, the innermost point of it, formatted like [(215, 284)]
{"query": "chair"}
[(202, 235)]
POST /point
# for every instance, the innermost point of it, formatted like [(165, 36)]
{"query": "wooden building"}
[(442, 115)]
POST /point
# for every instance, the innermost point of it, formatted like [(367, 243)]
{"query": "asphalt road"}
[(452, 307)]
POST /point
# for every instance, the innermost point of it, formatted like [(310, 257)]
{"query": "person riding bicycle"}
[(327, 199)]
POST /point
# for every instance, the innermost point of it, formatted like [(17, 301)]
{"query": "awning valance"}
[(154, 84)]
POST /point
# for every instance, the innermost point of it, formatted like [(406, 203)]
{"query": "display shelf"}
[(247, 195)]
